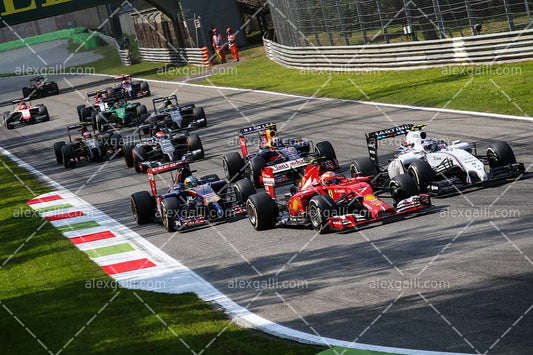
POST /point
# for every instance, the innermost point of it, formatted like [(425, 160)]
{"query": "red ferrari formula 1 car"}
[(328, 201)]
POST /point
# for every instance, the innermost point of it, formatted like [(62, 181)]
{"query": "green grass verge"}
[(344, 351), (505, 89), (48, 286)]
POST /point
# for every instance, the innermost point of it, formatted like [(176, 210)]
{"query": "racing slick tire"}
[(170, 206), (58, 152), (142, 111), (112, 92), (325, 149), (139, 155), (144, 87), (142, 207), (78, 110), (257, 164), (232, 164), (43, 111), (128, 154), (67, 153), (402, 186), (243, 189), (7, 122), (500, 153), (422, 173), (101, 122), (199, 115), (262, 211), (363, 167), (86, 114), (26, 92), (321, 207), (55, 88), (194, 143)]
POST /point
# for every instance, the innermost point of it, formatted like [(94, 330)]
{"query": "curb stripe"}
[(53, 208), (92, 237), (44, 199), (110, 250), (128, 266), (65, 216), (76, 226)]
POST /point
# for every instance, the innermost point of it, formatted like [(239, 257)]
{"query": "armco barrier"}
[(485, 49), (195, 56), (124, 54)]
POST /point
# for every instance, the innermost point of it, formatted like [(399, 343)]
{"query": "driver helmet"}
[(276, 142), (117, 105), (124, 82), (87, 135), (328, 178), (23, 105), (429, 145), (191, 182), (160, 135)]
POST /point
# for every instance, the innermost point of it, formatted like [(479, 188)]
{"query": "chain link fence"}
[(354, 22)]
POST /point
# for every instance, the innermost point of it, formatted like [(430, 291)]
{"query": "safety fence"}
[(194, 56), (488, 49)]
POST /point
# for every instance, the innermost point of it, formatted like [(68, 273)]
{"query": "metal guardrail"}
[(124, 54), (487, 49), (195, 56)]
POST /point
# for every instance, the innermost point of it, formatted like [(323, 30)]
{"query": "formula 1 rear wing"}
[(373, 138), (123, 76), (257, 128), (152, 172), (269, 173)]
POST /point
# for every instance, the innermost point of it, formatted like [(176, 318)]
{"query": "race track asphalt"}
[(365, 286)]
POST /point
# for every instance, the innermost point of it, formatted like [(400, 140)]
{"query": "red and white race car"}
[(328, 201), (25, 113)]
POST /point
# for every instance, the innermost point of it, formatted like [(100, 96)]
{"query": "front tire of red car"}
[(321, 207)]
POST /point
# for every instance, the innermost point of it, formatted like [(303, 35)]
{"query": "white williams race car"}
[(437, 168)]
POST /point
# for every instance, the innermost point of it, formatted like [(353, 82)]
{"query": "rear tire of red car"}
[(142, 207), (500, 154), (257, 164), (195, 143), (262, 211), (232, 164), (422, 173), (363, 167), (57, 151), (321, 207), (199, 114), (67, 152), (43, 111), (128, 154), (402, 186), (169, 209), (243, 189), (139, 156), (325, 149)]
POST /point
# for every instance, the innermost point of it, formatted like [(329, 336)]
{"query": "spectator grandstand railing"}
[(487, 49)]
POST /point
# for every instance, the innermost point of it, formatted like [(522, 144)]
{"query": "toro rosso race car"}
[(331, 202), (24, 114), (87, 146), (39, 87), (438, 168), (161, 149), (189, 202), (276, 153), (169, 115)]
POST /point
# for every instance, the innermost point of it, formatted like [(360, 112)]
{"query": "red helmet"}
[(328, 178), (160, 135), (228, 30), (215, 30), (87, 135)]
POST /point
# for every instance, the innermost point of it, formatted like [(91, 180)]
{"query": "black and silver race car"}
[(168, 114), (40, 87), (163, 148), (25, 113), (87, 146)]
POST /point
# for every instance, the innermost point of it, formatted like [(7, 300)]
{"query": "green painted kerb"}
[(78, 226), (53, 208), (110, 250)]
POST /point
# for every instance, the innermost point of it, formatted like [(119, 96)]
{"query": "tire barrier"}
[(474, 50)]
